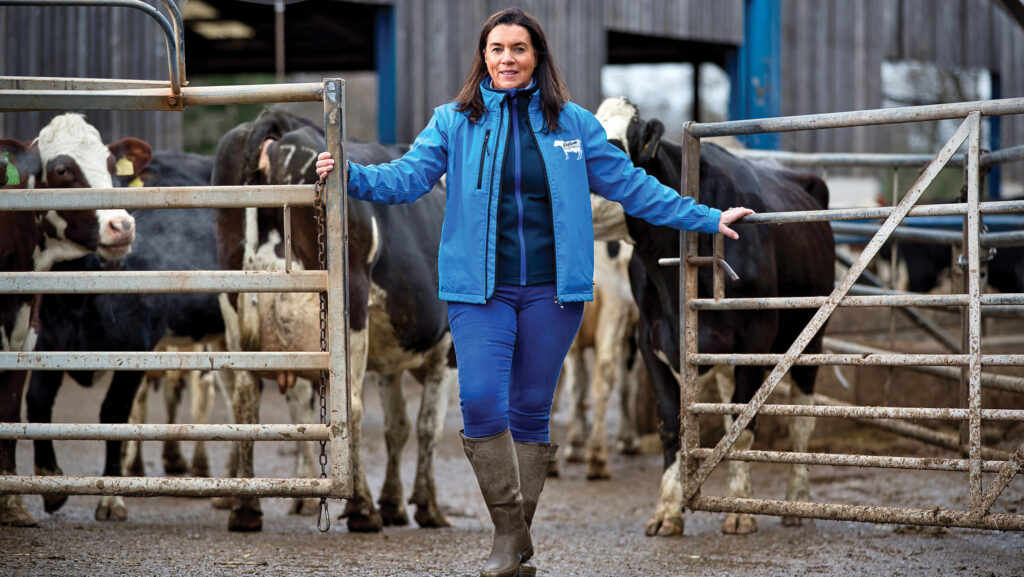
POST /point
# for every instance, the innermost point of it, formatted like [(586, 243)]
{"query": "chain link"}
[(323, 521)]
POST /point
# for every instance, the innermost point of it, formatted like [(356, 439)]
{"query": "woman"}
[(516, 258)]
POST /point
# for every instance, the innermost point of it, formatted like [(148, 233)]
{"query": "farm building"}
[(781, 57)]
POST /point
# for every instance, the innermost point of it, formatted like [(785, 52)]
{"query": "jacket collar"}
[(493, 97)]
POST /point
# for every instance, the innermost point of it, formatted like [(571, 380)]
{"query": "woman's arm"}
[(402, 180), (613, 175)]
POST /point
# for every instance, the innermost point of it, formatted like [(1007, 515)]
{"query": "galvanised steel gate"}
[(698, 463), (18, 93)]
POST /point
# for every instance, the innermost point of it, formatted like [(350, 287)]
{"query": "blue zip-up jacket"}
[(577, 159)]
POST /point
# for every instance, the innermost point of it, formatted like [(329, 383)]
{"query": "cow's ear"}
[(653, 131), (132, 156), (18, 161)]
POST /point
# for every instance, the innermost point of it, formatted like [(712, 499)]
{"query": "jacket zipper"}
[(519, 193), (551, 205), (483, 155), (490, 193)]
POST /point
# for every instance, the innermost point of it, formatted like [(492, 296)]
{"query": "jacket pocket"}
[(483, 155)]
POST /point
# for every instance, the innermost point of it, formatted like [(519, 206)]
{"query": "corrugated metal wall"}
[(87, 42)]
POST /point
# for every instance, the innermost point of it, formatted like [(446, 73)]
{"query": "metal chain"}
[(323, 521)]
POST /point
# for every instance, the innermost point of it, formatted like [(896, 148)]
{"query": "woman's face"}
[(510, 57)]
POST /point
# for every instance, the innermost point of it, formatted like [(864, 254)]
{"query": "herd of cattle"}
[(397, 323)]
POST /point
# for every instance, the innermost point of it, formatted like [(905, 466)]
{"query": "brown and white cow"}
[(609, 323), (397, 322), (68, 153)]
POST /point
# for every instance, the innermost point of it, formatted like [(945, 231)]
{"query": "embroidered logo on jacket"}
[(568, 146)]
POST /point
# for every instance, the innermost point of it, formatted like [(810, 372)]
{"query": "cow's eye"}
[(61, 171)]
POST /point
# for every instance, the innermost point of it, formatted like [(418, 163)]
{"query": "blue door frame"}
[(384, 59), (755, 70)]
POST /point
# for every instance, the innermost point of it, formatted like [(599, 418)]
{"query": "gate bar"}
[(936, 517), (168, 197), (860, 412), (891, 298), (842, 460), (219, 281), (163, 361), (154, 432), (911, 233), (167, 486), (871, 159), (881, 360), (693, 483), (1002, 480), (958, 209), (951, 111), (972, 326)]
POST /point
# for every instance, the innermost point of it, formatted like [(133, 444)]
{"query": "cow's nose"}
[(122, 225)]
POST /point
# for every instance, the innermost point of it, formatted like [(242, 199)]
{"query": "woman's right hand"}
[(324, 164)]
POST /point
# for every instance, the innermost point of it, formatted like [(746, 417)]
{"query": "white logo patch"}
[(568, 146)]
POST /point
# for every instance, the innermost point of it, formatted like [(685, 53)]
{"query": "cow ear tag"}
[(136, 183), (13, 177), (124, 167)]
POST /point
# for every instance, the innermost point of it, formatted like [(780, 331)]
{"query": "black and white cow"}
[(169, 240), (68, 153), (790, 260), (397, 322)]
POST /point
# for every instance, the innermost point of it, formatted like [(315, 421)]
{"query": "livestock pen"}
[(18, 93)]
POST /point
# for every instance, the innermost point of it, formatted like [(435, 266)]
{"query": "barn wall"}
[(87, 42), (833, 52)]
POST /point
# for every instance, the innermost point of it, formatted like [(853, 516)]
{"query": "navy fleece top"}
[(526, 238)]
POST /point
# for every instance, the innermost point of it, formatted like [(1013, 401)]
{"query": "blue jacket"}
[(577, 159)]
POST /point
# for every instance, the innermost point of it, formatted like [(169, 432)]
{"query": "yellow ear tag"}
[(137, 182), (124, 167)]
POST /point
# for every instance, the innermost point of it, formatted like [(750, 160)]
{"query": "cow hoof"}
[(664, 527), (430, 516), (174, 463), (52, 502), (553, 470), (597, 470), (246, 518), (136, 468), (14, 514), (304, 507), (200, 466), (739, 524), (221, 502), (628, 446), (792, 521), (574, 454), (393, 514), (361, 517), (111, 509)]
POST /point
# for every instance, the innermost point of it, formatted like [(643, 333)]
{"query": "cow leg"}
[(627, 439), (800, 429), (246, 514), (739, 471), (609, 369), (12, 507), (429, 428), (132, 462), (667, 520), (42, 393), (225, 382), (300, 410), (172, 386), (117, 405), (201, 391), (576, 383), (360, 511), (396, 433)]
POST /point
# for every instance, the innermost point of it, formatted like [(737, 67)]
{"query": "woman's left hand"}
[(730, 216)]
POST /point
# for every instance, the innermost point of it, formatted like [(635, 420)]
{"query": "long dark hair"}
[(550, 85)]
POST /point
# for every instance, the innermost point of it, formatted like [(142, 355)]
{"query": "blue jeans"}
[(510, 351)]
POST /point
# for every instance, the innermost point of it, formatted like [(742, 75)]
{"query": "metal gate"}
[(698, 463), (19, 93)]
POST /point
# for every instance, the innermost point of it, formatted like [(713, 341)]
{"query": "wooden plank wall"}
[(833, 52), (87, 42), (437, 40)]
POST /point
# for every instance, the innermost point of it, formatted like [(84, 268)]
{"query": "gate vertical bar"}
[(336, 201), (687, 316), (973, 344)]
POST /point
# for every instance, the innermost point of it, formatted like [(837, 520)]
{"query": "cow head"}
[(72, 155), (618, 116)]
